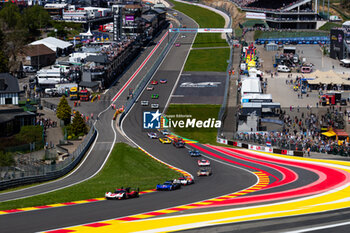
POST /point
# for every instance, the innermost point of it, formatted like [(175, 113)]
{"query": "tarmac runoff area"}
[(200, 88)]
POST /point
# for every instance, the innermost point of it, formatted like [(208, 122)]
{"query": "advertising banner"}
[(201, 30), (129, 18), (252, 15)]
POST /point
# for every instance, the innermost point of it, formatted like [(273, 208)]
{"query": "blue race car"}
[(194, 153), (168, 186)]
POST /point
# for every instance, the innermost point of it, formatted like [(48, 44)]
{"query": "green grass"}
[(252, 22), (207, 60), (200, 112), (329, 25), (205, 19), (127, 167), (238, 32)]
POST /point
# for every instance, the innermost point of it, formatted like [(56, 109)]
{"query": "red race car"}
[(154, 82), (122, 193)]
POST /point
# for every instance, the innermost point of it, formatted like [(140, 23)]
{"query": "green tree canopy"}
[(78, 126), (11, 15), (63, 111), (34, 18), (6, 159)]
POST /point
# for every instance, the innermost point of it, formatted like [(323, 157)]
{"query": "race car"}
[(194, 153), (144, 103), (154, 82), (204, 172), (154, 106), (203, 162), (165, 132), (178, 143), (177, 44), (185, 180), (150, 88), (154, 96), (122, 193), (168, 186), (165, 140), (152, 135), (163, 81)]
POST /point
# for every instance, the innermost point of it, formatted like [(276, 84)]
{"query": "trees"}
[(33, 19), (78, 125), (6, 159), (345, 4), (10, 15), (63, 111)]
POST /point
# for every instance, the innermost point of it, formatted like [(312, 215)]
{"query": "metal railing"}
[(36, 171)]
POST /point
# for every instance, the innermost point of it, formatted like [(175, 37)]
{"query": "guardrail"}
[(16, 176), (148, 76), (260, 148), (223, 109)]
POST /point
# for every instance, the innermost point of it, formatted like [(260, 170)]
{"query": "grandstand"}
[(284, 14), (271, 4)]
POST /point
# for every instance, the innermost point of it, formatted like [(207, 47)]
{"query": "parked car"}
[(283, 68), (29, 69)]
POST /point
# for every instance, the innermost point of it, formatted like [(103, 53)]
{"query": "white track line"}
[(81, 163)]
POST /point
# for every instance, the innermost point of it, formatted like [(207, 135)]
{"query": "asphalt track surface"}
[(227, 177), (106, 135), (60, 217)]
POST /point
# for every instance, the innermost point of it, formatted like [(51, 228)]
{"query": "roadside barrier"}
[(53, 171), (260, 148)]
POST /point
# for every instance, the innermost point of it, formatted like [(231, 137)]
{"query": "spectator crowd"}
[(304, 133)]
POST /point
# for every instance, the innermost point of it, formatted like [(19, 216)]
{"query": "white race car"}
[(122, 193), (155, 106), (144, 103), (184, 180), (203, 162), (152, 135)]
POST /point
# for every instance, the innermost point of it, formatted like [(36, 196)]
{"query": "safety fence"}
[(260, 148), (34, 171), (148, 76), (223, 109)]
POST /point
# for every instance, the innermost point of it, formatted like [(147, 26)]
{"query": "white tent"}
[(251, 85), (53, 43)]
